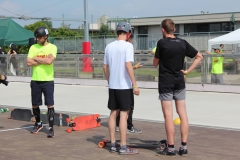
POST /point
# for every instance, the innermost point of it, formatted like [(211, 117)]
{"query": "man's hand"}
[(136, 91), (184, 72), (138, 65), (50, 55)]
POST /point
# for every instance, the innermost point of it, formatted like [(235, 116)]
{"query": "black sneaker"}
[(183, 152), (37, 127), (50, 133), (166, 152)]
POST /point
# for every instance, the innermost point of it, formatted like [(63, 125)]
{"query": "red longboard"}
[(83, 122)]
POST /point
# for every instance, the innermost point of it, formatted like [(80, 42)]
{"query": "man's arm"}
[(207, 52), (31, 62), (131, 75), (196, 62), (106, 71), (155, 62), (47, 60)]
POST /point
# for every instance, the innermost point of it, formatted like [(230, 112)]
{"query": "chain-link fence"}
[(74, 65), (143, 43)]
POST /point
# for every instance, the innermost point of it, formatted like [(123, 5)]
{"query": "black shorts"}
[(39, 87), (122, 99)]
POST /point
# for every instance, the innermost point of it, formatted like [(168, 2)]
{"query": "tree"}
[(63, 32), (48, 23), (104, 30), (34, 26)]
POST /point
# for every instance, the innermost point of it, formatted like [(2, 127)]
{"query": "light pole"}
[(86, 29)]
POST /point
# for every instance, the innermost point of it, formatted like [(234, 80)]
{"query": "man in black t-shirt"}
[(170, 54)]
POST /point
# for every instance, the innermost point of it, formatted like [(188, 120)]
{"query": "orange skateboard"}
[(83, 122)]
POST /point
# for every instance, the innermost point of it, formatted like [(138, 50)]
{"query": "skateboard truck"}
[(98, 120)]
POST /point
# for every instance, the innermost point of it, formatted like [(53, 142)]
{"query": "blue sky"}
[(114, 8)]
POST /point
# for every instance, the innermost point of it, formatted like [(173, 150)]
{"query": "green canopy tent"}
[(12, 32)]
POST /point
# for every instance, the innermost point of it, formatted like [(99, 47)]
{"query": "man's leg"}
[(129, 120), (117, 122), (168, 116), (184, 127), (181, 110), (112, 125), (48, 91), (36, 96), (123, 127)]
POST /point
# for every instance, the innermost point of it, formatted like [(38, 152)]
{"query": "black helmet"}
[(124, 26), (41, 31)]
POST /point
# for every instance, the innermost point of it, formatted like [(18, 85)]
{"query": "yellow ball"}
[(177, 121)]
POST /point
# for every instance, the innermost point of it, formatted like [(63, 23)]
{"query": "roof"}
[(12, 32)]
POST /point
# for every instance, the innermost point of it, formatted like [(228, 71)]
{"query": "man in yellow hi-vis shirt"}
[(41, 57), (217, 67)]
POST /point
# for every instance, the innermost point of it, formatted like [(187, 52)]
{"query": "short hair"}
[(221, 45), (168, 25), (121, 32)]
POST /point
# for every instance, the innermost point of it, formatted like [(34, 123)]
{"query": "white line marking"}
[(13, 129)]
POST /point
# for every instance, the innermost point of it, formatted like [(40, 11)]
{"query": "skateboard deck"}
[(162, 144), (21, 114), (84, 122), (58, 120)]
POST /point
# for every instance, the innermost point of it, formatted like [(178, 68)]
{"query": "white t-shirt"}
[(116, 55)]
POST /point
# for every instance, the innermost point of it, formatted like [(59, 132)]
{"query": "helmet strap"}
[(128, 36)]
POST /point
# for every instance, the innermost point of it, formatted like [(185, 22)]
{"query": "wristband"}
[(186, 72), (135, 86), (136, 66)]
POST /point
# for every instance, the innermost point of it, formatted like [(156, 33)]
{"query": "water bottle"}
[(60, 120)]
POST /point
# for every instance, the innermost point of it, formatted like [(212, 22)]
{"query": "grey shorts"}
[(174, 95), (217, 78)]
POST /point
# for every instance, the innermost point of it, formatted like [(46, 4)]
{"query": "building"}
[(196, 29), (216, 22)]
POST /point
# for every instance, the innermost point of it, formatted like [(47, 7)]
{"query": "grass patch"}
[(194, 74)]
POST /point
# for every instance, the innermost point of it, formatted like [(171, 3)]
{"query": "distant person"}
[(153, 50), (217, 67), (118, 70), (3, 62), (169, 56), (130, 126), (41, 57), (13, 60), (221, 48)]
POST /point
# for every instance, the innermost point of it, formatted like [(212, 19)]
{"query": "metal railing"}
[(72, 66)]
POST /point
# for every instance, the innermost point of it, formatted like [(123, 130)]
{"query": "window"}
[(143, 30), (215, 27), (190, 28), (177, 28), (226, 27)]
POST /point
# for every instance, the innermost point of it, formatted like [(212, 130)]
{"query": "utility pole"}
[(86, 29), (63, 21), (92, 24)]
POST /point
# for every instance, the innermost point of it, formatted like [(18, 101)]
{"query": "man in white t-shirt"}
[(118, 70)]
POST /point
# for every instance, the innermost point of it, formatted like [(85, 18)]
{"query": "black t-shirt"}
[(171, 53)]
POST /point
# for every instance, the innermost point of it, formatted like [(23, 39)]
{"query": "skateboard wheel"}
[(68, 120), (69, 130), (101, 144), (98, 120)]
